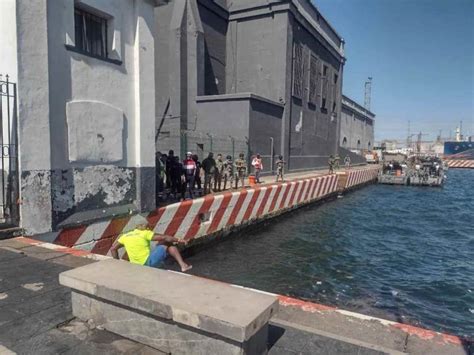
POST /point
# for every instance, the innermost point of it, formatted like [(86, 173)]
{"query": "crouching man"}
[(137, 244)]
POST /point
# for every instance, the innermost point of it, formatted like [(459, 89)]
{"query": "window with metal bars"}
[(324, 88), (298, 70), (313, 80), (91, 33)]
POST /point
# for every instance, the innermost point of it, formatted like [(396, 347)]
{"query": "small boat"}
[(427, 172), (394, 173), (416, 171)]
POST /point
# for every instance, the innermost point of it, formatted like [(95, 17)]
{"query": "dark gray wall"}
[(356, 128), (256, 56), (215, 31), (313, 131), (265, 122)]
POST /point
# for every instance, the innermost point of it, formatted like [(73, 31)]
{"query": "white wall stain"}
[(114, 182), (3, 295)]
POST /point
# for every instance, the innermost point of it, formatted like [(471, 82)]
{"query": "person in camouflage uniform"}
[(280, 163), (240, 170), (331, 164), (228, 171), (209, 167), (337, 162), (218, 172)]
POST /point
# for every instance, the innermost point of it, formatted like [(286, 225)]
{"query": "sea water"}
[(396, 252)]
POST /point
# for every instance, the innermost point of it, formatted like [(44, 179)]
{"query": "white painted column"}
[(33, 116), (144, 120)]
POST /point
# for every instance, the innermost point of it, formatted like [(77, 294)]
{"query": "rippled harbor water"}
[(402, 253)]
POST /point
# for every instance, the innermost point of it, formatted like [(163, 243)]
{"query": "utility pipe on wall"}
[(271, 154)]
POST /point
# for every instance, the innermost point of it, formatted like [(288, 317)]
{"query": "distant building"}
[(357, 126), (391, 144)]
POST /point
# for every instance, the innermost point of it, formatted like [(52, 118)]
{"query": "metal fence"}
[(9, 159), (201, 143)]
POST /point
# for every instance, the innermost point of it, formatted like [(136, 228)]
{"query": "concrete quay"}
[(214, 216), (36, 315)]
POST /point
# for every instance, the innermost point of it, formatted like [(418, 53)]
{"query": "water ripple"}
[(403, 253)]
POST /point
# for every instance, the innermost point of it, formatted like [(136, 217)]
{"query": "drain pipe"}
[(271, 154)]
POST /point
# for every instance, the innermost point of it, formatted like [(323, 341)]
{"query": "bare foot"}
[(186, 268)]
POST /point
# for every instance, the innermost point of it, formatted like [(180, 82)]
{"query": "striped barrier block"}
[(194, 219), (358, 177), (461, 164)]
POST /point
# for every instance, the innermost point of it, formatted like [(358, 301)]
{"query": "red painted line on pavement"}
[(426, 334), (66, 250), (196, 223), (237, 207), (304, 305), (261, 208), (220, 212)]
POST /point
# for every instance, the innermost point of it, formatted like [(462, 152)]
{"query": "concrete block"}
[(211, 306), (214, 309), (163, 335)]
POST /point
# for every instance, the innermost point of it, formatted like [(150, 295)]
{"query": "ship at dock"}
[(416, 170), (460, 152)]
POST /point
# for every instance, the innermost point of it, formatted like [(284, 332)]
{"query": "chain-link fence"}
[(201, 144)]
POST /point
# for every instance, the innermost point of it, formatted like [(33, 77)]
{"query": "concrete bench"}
[(172, 312)]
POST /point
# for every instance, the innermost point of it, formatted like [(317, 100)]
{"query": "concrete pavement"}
[(36, 316), (35, 311)]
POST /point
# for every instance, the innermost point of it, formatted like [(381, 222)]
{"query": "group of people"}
[(181, 177), (185, 179), (334, 162)]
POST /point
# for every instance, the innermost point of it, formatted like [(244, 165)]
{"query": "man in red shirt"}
[(258, 166), (190, 167)]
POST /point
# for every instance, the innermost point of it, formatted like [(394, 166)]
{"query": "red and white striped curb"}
[(204, 216), (466, 164), (357, 177), (62, 249)]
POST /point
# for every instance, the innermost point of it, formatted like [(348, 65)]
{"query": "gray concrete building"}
[(357, 126), (251, 76)]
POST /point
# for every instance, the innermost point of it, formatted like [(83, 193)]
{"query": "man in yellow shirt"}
[(137, 244)]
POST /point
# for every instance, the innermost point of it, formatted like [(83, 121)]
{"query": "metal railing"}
[(9, 179)]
